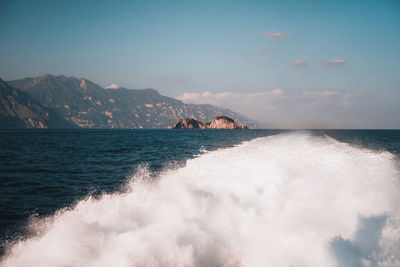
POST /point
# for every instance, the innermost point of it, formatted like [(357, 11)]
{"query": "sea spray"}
[(286, 200)]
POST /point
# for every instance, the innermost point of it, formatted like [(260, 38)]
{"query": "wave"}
[(286, 200)]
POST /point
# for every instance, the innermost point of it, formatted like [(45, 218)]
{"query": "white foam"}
[(285, 200)]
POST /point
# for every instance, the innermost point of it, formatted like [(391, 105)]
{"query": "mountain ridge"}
[(19, 110), (85, 104)]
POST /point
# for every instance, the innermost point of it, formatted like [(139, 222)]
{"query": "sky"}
[(290, 64)]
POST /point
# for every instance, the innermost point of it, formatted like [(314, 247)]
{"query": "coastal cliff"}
[(220, 122), (51, 101)]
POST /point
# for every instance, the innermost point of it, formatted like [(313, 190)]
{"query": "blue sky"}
[(186, 48)]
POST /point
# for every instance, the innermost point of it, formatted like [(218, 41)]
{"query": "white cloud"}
[(276, 92), (113, 86), (301, 63), (334, 63), (207, 94), (321, 93), (275, 35)]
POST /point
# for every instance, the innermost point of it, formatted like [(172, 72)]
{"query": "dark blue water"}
[(46, 170)]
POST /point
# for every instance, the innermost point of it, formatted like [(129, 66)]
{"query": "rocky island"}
[(220, 122)]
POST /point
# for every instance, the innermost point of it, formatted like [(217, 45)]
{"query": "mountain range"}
[(52, 101)]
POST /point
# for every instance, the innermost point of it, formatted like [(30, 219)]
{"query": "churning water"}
[(289, 199)]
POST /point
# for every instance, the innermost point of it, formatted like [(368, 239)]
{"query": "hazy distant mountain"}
[(85, 104), (19, 110)]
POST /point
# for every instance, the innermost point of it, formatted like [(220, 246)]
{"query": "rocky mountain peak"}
[(151, 90), (42, 78)]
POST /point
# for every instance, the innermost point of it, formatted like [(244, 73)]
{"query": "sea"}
[(199, 197)]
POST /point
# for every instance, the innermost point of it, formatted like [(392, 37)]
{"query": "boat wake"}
[(286, 200)]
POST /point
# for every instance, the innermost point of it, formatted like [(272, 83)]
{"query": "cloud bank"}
[(275, 35), (301, 63), (334, 63), (287, 109)]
